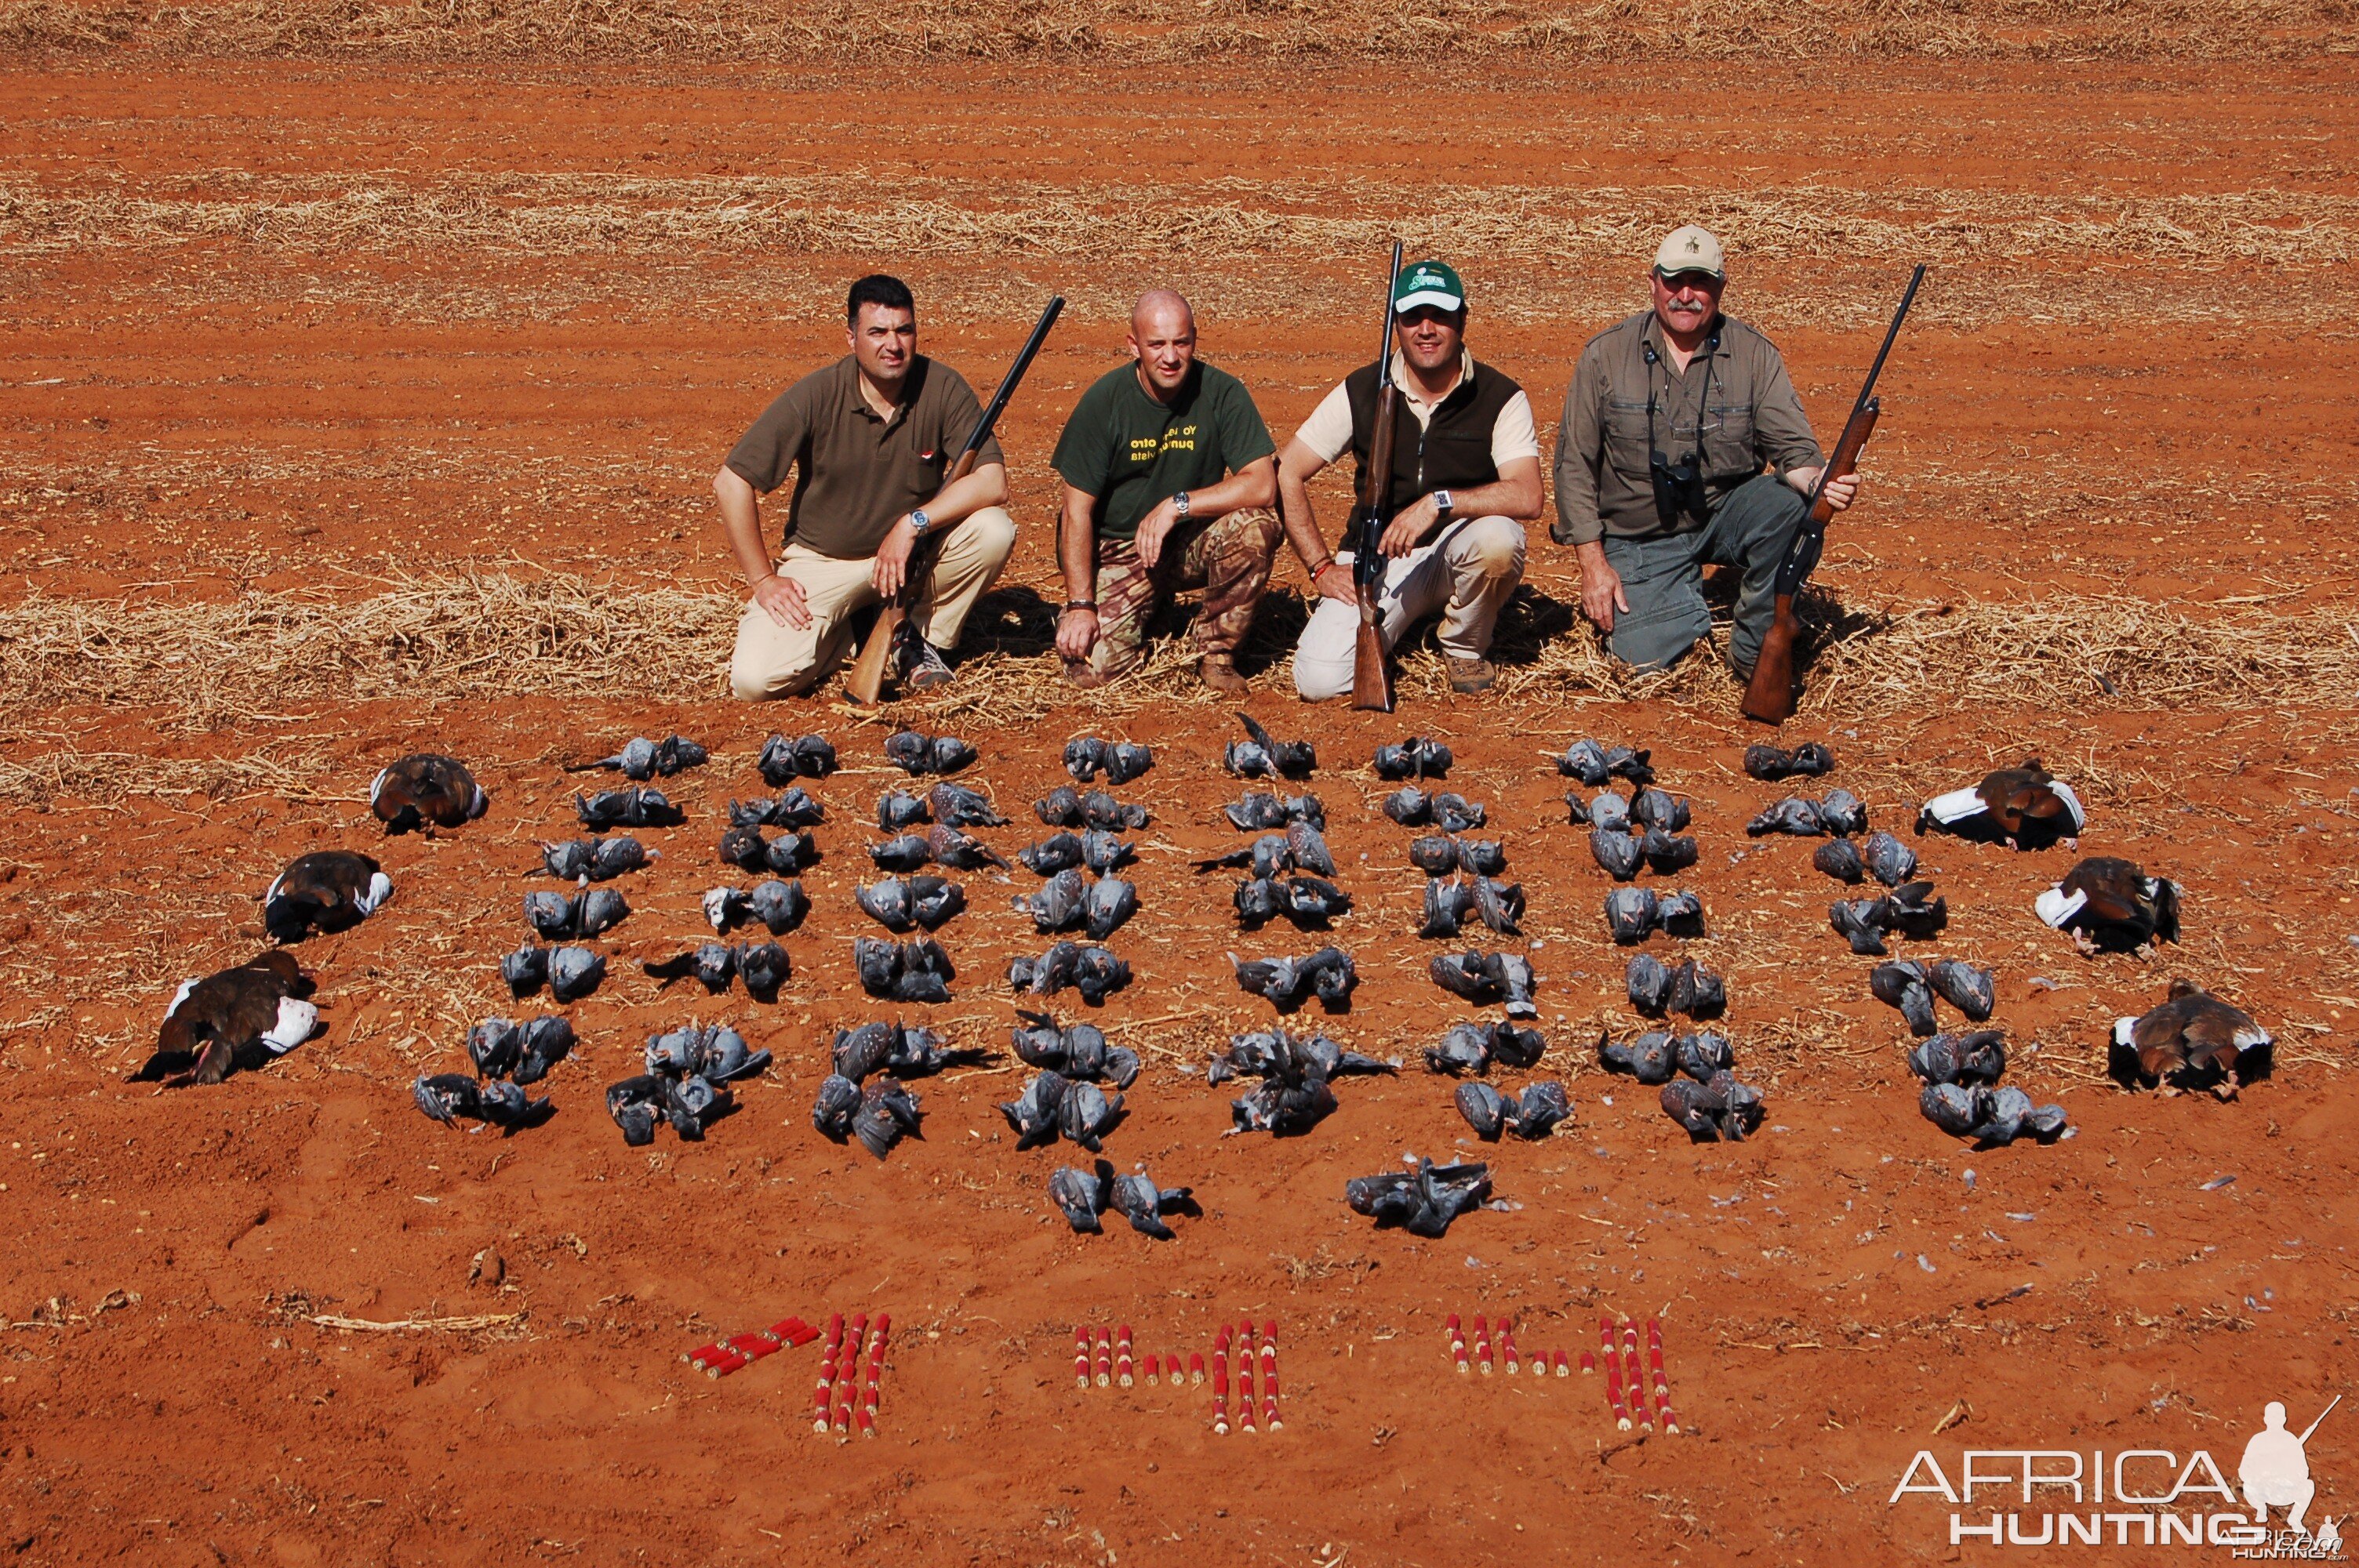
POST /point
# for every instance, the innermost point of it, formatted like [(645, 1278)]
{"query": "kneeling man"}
[(1169, 474), (1671, 421), (871, 438), (1466, 477)]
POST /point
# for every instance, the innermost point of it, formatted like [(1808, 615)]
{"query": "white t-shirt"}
[(1328, 431)]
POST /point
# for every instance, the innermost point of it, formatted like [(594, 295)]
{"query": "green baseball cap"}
[(1429, 283)]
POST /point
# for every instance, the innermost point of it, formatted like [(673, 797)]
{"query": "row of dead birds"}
[(688, 1071), (1697, 1072), (1423, 1202), (879, 1114), (1083, 1198), (1063, 1100), (1639, 830), (1297, 1073), (1962, 1097), (509, 1056), (1911, 987)]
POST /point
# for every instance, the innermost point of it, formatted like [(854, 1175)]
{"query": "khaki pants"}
[(1467, 579), (774, 661)]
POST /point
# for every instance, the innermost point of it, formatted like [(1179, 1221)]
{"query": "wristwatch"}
[(1443, 504), (1179, 504), (920, 522)]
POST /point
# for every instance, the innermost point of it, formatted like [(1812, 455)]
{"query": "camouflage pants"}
[(1228, 557)]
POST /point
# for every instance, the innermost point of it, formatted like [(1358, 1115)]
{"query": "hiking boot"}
[(1219, 671), (1469, 676), (1081, 676), (927, 672)]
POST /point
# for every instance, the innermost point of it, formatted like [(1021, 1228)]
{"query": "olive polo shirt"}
[(857, 473), (1604, 482)]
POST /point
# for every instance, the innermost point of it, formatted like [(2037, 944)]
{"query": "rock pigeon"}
[(238, 1017), (692, 1104), (1057, 906), (1060, 807), (1456, 814), (1888, 859), (627, 808), (1308, 848), (447, 1097), (899, 905), (1462, 1048), (1144, 1204), (1794, 815), (1648, 984), (1274, 1053), (642, 759), (1861, 922), (780, 906), (327, 890), (1425, 1202), (1977, 1059), (783, 761), (1964, 987), (919, 754), (905, 853), (2025, 807), (1631, 913), (1261, 811), (795, 808), (1723, 1109), (1077, 1052), (837, 1103), (1485, 1109), (542, 1044), (910, 971), (1482, 856), (634, 1103), (1991, 1118), (1903, 984), (961, 852), (1448, 903), (1537, 1109), (2192, 1040), (1499, 906), (423, 789), (1840, 859), (1089, 756), (1086, 1114), (496, 1046), (1033, 1113), (1653, 807), (2112, 905), (1678, 914), (1808, 760), (1697, 992), (1666, 853), (1259, 756), (1082, 1195), (899, 809), (1434, 855), (1410, 807), (1329, 974), (1100, 810), (1703, 1056), (1110, 901), (1094, 971), (1915, 912), (888, 1112), (1843, 813), (955, 805), (1651, 1058), (1488, 976), (1616, 852), (1283, 1107), (596, 859), (1415, 758), (586, 914), (1058, 852), (1593, 764), (1308, 902), (571, 973)]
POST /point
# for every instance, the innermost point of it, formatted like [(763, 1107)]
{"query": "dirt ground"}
[(311, 325)]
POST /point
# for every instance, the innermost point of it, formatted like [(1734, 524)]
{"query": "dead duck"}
[(426, 789), (2112, 905), (327, 890), (2193, 1040), (238, 1017), (2025, 807)]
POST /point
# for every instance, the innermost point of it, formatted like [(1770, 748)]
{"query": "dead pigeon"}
[(627, 808), (2192, 1040), (1632, 914), (1653, 807), (426, 789), (1991, 1118), (783, 761), (1697, 992), (1086, 1114), (1482, 856), (1410, 807), (1082, 1195), (1448, 903), (1499, 906), (899, 905), (1415, 758), (919, 754), (888, 1112), (1259, 756), (1723, 1109), (1094, 971), (1033, 1113), (1283, 1107), (909, 971), (837, 1103), (1100, 810), (955, 805), (1086, 758), (796, 808), (1456, 814), (496, 1046), (786, 854), (1110, 901), (1964, 987), (1273, 1052), (1903, 984), (586, 914), (1308, 848), (1488, 976), (1843, 813), (1891, 861), (1678, 914), (594, 860), (1616, 852), (899, 809), (2112, 905), (1666, 853), (238, 1017), (1463, 1048), (1434, 855), (1793, 815), (1329, 974), (642, 759), (1651, 1058), (1425, 1202), (1703, 1056), (2025, 807), (693, 1103), (1806, 760), (1977, 1059), (1861, 922), (1840, 859), (1060, 807), (1144, 1204), (905, 853), (763, 967), (1077, 1051), (780, 906), (1608, 812), (1915, 913), (327, 890), (1484, 1107), (633, 1104), (1537, 1109), (961, 852), (1058, 904), (1308, 902), (447, 1097), (1260, 812), (570, 973), (1648, 984), (1058, 852)]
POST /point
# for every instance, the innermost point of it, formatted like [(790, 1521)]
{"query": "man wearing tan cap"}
[(1683, 445)]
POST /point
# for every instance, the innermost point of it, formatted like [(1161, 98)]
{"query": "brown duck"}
[(2192, 1040), (237, 1017), (2111, 905)]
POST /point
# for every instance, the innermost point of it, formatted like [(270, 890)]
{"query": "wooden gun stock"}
[(1769, 695), (866, 681), (1372, 673)]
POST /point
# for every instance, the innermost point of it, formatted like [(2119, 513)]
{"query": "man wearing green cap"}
[(1683, 445), (1169, 474), (1466, 477)]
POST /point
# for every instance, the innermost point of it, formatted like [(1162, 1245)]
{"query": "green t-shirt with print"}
[(1132, 452)]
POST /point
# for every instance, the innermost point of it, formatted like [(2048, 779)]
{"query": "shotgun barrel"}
[(1372, 676)]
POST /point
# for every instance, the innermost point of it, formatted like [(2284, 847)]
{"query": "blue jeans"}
[(1662, 577)]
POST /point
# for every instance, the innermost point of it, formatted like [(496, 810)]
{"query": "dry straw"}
[(499, 635), (1299, 30)]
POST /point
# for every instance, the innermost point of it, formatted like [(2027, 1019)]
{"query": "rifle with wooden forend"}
[(1372, 675), (1769, 695), (888, 638)]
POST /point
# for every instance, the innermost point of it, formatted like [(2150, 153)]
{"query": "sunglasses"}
[(1681, 282)]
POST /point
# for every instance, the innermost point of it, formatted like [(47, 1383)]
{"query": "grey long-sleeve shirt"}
[(1603, 481)]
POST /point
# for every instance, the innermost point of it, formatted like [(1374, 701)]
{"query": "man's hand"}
[(1840, 493), (892, 568), (1077, 632), (1335, 582), (1408, 526), (1152, 529), (781, 599), (1601, 586)]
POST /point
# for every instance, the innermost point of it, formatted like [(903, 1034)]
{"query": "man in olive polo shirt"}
[(871, 437), (1169, 476), (1672, 418), (1465, 479)]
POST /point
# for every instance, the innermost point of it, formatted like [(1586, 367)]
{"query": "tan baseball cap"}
[(1690, 249)]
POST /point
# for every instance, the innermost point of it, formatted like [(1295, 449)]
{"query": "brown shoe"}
[(1470, 676), (1219, 671), (1081, 677)]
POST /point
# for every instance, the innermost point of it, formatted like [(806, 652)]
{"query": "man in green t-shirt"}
[(1170, 474)]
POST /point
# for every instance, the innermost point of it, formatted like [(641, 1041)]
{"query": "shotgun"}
[(1769, 695), (888, 638), (1372, 676)]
